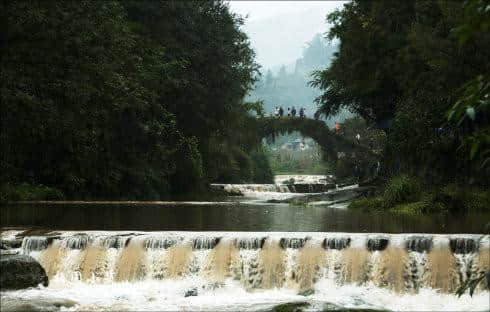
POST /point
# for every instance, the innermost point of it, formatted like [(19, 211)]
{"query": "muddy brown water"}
[(227, 216)]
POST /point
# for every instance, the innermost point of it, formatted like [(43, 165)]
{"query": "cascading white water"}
[(255, 270), (244, 188), (403, 263)]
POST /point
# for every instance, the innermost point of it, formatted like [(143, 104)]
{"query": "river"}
[(244, 253)]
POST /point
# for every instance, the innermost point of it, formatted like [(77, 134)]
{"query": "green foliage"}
[(414, 208), (475, 98), (406, 195), (367, 204), (214, 65), (344, 168), (296, 161), (230, 164), (400, 189), (262, 171), (362, 76), (457, 198), (401, 67), (109, 99), (477, 21), (25, 191), (473, 105)]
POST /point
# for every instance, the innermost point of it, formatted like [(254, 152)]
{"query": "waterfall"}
[(403, 263), (242, 189)]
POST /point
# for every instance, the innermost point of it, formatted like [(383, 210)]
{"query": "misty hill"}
[(290, 87), (278, 40)]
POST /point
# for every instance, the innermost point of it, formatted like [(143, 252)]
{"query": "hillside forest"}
[(125, 99)]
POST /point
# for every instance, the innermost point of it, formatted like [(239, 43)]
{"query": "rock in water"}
[(21, 271), (10, 244), (37, 304), (191, 292), (290, 307), (306, 292)]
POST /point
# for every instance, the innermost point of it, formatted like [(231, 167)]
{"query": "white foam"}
[(442, 239), (168, 295), (9, 234), (303, 178)]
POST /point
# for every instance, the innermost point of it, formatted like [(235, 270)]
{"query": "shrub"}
[(400, 189), (463, 199), (344, 168), (26, 191), (262, 172), (367, 204), (479, 201), (419, 207)]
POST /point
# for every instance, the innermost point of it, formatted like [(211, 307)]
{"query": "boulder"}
[(306, 292), (9, 252), (10, 244), (21, 271), (35, 304), (290, 307), (191, 292), (213, 286)]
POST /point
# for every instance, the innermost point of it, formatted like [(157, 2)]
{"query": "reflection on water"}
[(228, 217)]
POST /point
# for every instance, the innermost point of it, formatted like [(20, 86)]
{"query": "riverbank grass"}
[(26, 191), (407, 195)]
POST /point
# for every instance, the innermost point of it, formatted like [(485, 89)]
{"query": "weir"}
[(241, 189), (404, 263)]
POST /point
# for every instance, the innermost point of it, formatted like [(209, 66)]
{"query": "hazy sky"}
[(278, 30)]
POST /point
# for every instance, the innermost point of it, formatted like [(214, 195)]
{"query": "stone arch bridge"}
[(330, 142)]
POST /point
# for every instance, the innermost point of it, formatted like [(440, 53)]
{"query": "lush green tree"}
[(78, 111), (471, 110), (216, 66), (363, 74), (400, 66), (114, 99)]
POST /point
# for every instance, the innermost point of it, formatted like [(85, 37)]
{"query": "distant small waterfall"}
[(241, 189), (403, 263)]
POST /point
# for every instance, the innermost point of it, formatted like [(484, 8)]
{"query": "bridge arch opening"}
[(342, 153)]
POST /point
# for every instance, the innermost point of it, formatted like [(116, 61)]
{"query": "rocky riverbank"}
[(21, 271)]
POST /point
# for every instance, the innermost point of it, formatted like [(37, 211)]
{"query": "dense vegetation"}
[(125, 99), (296, 156), (403, 67)]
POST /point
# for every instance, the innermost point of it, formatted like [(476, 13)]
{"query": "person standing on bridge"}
[(302, 112), (317, 115), (281, 111), (289, 112), (293, 112), (357, 172), (276, 112)]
